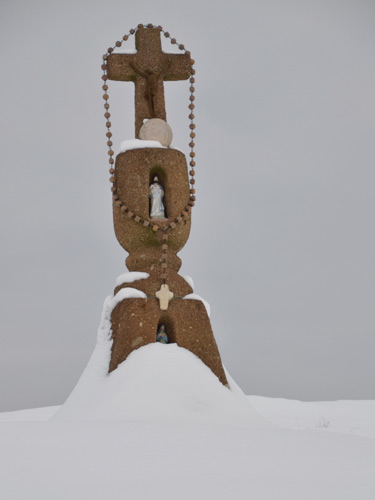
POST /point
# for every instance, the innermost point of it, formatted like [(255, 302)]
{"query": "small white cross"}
[(164, 296)]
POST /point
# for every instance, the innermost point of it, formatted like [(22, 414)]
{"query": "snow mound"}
[(155, 383)]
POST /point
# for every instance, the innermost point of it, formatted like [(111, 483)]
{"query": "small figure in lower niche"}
[(162, 336)]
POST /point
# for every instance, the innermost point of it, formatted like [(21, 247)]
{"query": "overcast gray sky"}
[(282, 242)]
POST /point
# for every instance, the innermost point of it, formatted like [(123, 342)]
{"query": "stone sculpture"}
[(157, 210), (151, 235)]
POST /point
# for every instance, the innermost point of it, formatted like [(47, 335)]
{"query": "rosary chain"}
[(186, 212)]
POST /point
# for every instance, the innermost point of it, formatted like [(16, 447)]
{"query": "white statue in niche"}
[(157, 210)]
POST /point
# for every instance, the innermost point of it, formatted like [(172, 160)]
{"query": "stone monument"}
[(152, 204)]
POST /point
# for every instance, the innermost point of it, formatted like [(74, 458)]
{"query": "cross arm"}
[(179, 67), (119, 67)]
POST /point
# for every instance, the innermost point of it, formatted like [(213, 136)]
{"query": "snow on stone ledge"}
[(195, 296), (189, 281), (131, 277), (139, 144)]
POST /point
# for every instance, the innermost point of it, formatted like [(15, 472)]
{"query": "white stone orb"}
[(156, 129)]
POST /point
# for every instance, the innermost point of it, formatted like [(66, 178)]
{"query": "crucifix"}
[(148, 68)]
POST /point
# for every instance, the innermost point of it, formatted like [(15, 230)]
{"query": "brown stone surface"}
[(148, 69), (135, 170), (135, 323)]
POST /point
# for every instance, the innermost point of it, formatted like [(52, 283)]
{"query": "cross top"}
[(148, 68)]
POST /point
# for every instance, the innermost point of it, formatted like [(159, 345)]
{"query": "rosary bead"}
[(192, 198), (165, 236), (106, 105), (104, 77), (118, 44), (146, 223), (105, 97), (192, 181), (164, 247), (150, 25), (192, 71), (192, 135), (192, 144), (185, 213), (192, 154), (155, 228), (179, 218), (173, 41), (111, 153), (125, 37), (118, 203), (108, 124), (192, 61), (192, 126), (105, 57), (187, 53), (192, 173), (109, 143), (137, 218), (192, 203), (191, 106), (109, 134), (192, 191), (173, 225), (107, 115), (192, 98), (111, 161), (132, 31), (111, 170), (159, 28), (105, 87), (140, 26), (192, 80), (163, 276), (166, 34), (164, 265), (104, 67), (192, 163), (130, 214), (112, 179), (181, 46), (192, 88), (113, 189), (110, 50), (123, 208), (191, 116)]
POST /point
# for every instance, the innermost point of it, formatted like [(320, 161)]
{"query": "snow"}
[(189, 281), (139, 144), (130, 277), (157, 382), (195, 296), (162, 426), (349, 417)]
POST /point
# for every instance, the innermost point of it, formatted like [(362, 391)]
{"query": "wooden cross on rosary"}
[(148, 68)]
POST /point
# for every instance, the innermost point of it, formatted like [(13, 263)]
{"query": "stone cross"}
[(164, 296), (148, 68)]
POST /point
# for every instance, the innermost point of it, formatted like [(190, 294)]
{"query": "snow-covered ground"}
[(161, 426)]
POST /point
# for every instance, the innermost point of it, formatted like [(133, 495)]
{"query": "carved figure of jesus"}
[(157, 210), (153, 78)]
